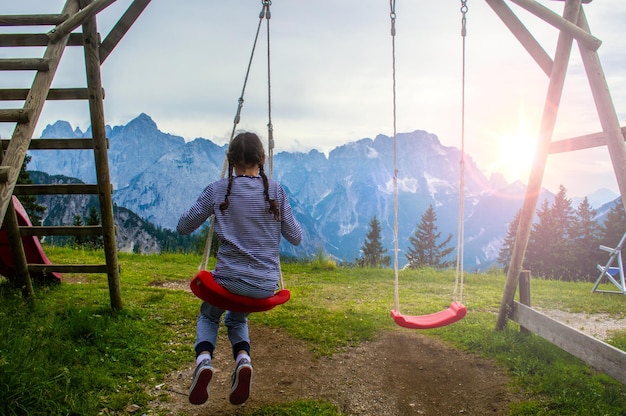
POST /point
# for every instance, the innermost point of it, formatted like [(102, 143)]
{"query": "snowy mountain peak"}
[(158, 176)]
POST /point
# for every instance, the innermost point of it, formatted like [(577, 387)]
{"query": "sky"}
[(184, 63)]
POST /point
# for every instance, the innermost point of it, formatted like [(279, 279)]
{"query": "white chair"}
[(614, 274)]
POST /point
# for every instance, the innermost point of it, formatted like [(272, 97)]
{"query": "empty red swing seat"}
[(454, 313)]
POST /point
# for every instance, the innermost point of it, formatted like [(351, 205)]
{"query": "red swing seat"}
[(454, 313), (206, 288)]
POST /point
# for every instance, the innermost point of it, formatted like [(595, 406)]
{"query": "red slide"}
[(32, 248)]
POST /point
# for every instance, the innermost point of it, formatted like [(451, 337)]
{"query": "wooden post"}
[(22, 276), (522, 34), (564, 24), (548, 121), (22, 279), (596, 353), (86, 13), (606, 111), (121, 27), (96, 107), (524, 294)]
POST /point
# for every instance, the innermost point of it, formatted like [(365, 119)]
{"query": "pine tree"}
[(424, 250), (564, 262), (550, 251), (94, 242), (542, 232), (78, 241), (614, 225), (562, 212), (373, 250), (585, 235), (506, 252), (200, 240), (29, 202)]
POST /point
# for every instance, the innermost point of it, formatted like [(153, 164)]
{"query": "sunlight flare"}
[(515, 151)]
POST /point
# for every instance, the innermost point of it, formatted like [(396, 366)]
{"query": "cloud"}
[(184, 64)]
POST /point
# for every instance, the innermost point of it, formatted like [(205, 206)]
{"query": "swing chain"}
[(265, 11), (464, 10), (392, 14), (238, 113)]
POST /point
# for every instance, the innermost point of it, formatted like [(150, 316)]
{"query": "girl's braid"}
[(273, 204), (224, 205)]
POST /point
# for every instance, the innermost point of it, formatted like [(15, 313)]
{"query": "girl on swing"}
[(252, 212)]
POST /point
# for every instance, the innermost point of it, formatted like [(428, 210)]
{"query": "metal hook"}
[(464, 10)]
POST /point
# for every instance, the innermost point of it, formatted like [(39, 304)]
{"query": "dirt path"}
[(400, 373), (598, 325)]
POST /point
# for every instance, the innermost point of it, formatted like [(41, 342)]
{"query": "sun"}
[(515, 152)]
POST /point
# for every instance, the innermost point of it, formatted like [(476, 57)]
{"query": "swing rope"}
[(392, 15), (264, 14), (457, 310), (270, 127), (459, 277)]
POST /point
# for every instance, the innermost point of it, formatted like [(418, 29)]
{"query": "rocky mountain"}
[(158, 176)]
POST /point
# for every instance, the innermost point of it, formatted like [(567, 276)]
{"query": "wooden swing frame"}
[(572, 26)]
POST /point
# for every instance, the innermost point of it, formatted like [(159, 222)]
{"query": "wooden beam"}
[(541, 11), (57, 144), (82, 231), (121, 27), (78, 19), (57, 189), (64, 144), (24, 64), (68, 268), (19, 94), (587, 141), (32, 19), (598, 354), (36, 39), (522, 34), (16, 115)]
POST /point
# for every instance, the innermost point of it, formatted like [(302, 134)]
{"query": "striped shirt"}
[(248, 261)]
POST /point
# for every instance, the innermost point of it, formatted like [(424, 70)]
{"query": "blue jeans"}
[(208, 325)]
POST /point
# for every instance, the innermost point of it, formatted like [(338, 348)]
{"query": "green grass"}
[(69, 354)]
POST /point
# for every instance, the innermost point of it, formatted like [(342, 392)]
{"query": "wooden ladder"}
[(76, 13)]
